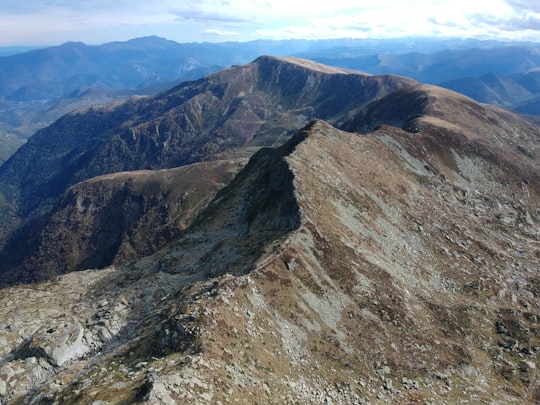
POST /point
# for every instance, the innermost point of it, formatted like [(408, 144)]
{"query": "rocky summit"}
[(388, 255)]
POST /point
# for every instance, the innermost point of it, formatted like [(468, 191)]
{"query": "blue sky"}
[(52, 22)]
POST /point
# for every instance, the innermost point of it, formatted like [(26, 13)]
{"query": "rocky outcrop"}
[(57, 344)]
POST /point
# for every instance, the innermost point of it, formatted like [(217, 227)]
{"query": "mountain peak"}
[(73, 44), (306, 64)]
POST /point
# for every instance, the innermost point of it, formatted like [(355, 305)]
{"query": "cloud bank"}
[(36, 22)]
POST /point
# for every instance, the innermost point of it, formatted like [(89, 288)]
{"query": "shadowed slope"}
[(113, 218), (257, 209)]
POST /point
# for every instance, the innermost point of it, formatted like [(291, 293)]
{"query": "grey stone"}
[(59, 343), (8, 371), (526, 365)]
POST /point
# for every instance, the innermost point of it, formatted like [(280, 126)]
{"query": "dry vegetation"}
[(393, 267)]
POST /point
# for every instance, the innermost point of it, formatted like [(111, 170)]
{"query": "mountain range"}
[(519, 91), (48, 73), (228, 114), (40, 85), (280, 231)]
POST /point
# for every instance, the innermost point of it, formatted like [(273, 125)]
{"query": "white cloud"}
[(527, 6), (35, 21), (390, 19), (213, 31), (514, 19)]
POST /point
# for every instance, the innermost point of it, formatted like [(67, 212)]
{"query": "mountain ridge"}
[(385, 273), (37, 85), (230, 115), (112, 219), (160, 132)]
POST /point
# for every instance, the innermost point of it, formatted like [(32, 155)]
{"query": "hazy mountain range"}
[(279, 231), (40, 85), (519, 91)]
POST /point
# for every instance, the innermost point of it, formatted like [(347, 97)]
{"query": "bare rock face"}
[(395, 266), (58, 344)]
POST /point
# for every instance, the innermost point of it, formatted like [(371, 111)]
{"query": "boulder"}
[(526, 365), (59, 343)]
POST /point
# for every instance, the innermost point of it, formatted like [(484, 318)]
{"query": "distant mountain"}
[(23, 119), (13, 50), (48, 73), (530, 107), (437, 67), (502, 75), (39, 86), (491, 89), (520, 91), (47, 76), (8, 146)]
